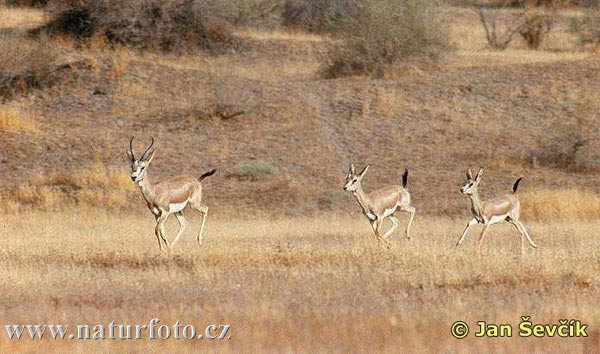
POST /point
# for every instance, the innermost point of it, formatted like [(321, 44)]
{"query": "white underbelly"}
[(175, 207), (497, 218)]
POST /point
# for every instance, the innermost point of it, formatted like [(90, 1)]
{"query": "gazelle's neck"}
[(146, 187), (476, 203), (362, 199)]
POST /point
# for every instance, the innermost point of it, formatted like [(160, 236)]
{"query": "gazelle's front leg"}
[(157, 232), (381, 239), (160, 228), (469, 224)]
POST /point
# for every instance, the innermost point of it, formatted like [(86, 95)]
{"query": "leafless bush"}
[(385, 32), (535, 27), (167, 26), (319, 15), (500, 26)]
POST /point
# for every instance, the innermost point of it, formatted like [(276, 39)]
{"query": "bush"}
[(385, 32), (27, 3), (535, 27), (318, 15), (587, 28), (166, 26)]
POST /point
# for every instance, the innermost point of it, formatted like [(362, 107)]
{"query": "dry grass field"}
[(288, 259), (297, 285)]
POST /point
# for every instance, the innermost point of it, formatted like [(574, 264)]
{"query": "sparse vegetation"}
[(25, 64), (92, 185), (16, 118), (560, 205), (384, 32)]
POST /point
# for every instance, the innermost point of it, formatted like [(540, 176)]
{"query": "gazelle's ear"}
[(362, 173), (130, 156), (469, 173), (352, 169), (479, 175)]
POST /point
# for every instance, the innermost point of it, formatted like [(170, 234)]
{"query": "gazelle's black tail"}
[(516, 185), (207, 174), (405, 178)]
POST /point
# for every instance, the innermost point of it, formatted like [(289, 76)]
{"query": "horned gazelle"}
[(381, 204), (503, 208), (169, 196)]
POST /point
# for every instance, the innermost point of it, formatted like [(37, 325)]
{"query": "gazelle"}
[(168, 197), (503, 208), (381, 204)]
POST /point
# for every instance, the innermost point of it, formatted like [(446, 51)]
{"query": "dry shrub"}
[(385, 32), (26, 3), (25, 64), (166, 26), (535, 28), (587, 27), (560, 204), (94, 185), (319, 15), (15, 118)]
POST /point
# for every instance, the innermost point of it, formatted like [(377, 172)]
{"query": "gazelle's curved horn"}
[(148, 149), (131, 149)]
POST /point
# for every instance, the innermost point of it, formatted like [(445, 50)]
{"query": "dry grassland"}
[(289, 285)]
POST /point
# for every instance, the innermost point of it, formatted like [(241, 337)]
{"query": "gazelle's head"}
[(138, 166), (353, 179), (471, 184)]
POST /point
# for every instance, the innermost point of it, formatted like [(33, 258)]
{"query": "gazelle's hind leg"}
[(482, 236), (182, 226), (512, 222), (411, 211), (524, 231), (204, 210)]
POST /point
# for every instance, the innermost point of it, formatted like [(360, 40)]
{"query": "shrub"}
[(167, 26), (385, 32), (318, 15), (587, 28), (27, 3), (535, 27)]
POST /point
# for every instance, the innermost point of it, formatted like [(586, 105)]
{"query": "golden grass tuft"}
[(560, 205), (17, 118), (93, 185)]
